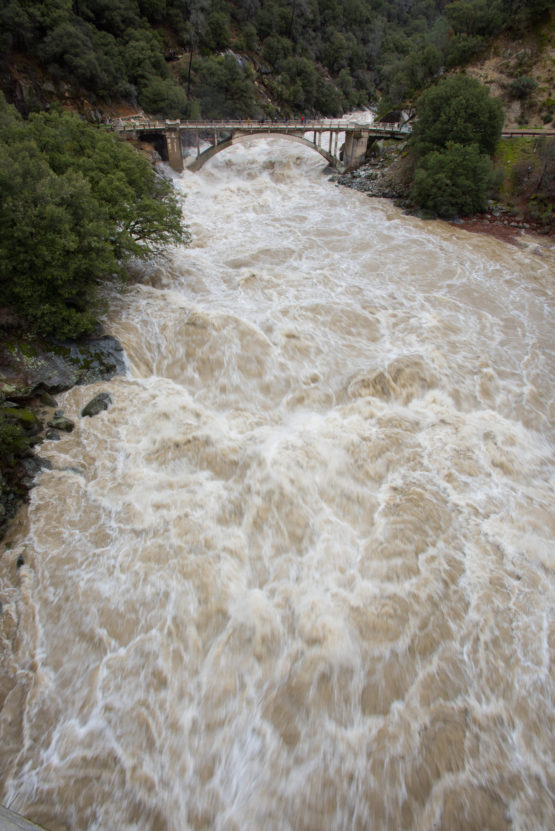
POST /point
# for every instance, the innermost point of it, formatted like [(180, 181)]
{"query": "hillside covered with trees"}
[(239, 58)]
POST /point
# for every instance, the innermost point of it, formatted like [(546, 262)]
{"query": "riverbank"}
[(532, 238), (32, 372), (388, 175)]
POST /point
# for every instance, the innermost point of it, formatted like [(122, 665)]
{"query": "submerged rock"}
[(97, 404)]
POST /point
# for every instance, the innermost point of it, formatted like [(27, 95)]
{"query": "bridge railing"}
[(142, 123)]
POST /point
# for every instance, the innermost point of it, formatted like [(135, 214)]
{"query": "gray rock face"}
[(97, 404), (51, 367)]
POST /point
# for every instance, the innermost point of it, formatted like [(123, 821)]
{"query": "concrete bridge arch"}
[(239, 138)]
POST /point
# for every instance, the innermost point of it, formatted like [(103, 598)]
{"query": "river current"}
[(300, 575)]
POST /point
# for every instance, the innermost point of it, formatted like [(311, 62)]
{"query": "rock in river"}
[(100, 402)]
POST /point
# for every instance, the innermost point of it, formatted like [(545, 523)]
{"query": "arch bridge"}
[(321, 136)]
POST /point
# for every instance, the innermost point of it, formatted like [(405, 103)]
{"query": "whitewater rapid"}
[(300, 575)]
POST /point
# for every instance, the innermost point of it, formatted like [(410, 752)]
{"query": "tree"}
[(164, 97), (459, 110), (224, 88), (75, 204), (55, 247), (453, 181)]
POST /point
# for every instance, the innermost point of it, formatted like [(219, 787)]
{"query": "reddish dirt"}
[(504, 232)]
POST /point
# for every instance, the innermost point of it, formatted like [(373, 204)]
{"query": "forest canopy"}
[(318, 55), (76, 203)]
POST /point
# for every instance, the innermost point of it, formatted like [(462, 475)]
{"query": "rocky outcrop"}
[(30, 367), (385, 174), (32, 371)]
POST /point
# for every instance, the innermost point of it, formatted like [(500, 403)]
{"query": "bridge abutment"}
[(175, 154), (354, 151)]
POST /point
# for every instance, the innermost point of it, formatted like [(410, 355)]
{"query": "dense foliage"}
[(458, 109), (458, 128), (324, 55), (75, 204), (453, 181)]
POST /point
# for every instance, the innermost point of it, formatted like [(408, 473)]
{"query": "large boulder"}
[(97, 404)]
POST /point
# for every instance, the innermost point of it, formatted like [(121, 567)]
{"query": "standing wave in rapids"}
[(299, 576)]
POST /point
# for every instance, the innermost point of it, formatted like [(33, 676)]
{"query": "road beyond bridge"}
[(322, 136)]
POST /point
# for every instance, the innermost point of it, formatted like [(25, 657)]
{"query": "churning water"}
[(299, 576)]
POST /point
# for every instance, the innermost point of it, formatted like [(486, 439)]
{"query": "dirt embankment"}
[(508, 61)]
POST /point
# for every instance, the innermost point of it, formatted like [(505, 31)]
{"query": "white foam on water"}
[(300, 574)]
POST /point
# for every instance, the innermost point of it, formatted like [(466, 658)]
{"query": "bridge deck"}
[(143, 124), (223, 134)]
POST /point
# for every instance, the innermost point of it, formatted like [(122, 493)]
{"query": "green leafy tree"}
[(276, 49), (218, 32), (459, 110), (224, 88), (143, 56), (114, 16), (453, 181), (475, 17), (165, 97), (328, 99), (56, 249), (461, 48), (249, 37), (75, 204)]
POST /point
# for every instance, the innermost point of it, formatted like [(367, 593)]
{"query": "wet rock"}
[(20, 562), (52, 435), (47, 400), (60, 422), (45, 366), (34, 464), (97, 404)]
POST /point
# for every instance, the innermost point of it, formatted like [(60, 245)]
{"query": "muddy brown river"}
[(300, 575)]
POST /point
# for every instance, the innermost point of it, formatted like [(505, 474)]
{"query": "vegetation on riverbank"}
[(457, 130), (527, 184), (76, 204), (33, 369)]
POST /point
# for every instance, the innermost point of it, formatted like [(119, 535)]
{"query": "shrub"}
[(522, 87), (453, 181)]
